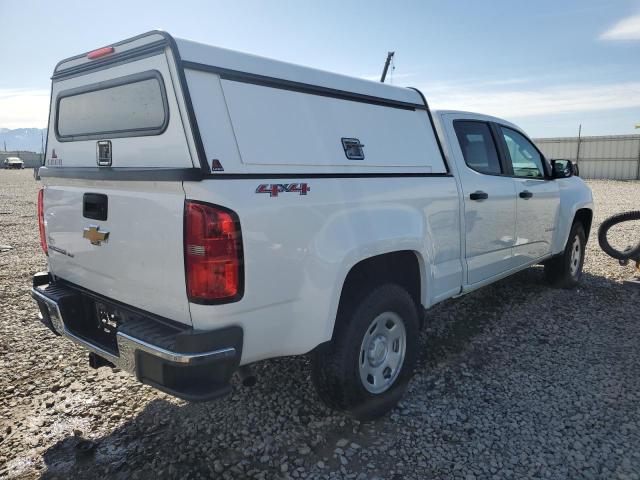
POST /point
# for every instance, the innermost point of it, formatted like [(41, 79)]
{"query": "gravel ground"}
[(516, 380)]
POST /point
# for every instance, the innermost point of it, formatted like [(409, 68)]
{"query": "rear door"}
[(489, 200), (117, 150)]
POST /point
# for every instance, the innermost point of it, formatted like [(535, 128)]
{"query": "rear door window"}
[(478, 148), (134, 105)]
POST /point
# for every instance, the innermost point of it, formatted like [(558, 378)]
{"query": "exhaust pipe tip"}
[(247, 377)]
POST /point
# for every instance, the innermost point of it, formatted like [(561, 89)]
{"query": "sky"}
[(547, 66)]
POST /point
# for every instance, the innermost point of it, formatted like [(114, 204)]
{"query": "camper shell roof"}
[(234, 64)]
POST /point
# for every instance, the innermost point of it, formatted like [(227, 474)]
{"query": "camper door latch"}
[(353, 149), (104, 153)]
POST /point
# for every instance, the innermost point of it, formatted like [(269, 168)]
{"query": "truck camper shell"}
[(248, 115)]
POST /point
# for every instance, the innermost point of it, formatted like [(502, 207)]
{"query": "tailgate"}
[(117, 150), (140, 262)]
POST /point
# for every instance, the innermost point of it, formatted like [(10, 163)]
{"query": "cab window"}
[(477, 145), (525, 158)]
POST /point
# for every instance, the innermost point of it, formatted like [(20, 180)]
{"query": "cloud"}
[(21, 108), (626, 29), (511, 81), (544, 101)]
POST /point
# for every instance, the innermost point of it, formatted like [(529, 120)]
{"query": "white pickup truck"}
[(204, 209)]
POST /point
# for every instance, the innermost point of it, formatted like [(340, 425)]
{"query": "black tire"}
[(558, 270), (630, 252), (335, 366)]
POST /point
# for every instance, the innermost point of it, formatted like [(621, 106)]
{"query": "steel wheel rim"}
[(382, 352), (576, 256)]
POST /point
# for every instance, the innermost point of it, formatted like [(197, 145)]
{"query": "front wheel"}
[(565, 270), (365, 368)]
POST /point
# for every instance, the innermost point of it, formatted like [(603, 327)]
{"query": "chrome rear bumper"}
[(193, 372), (128, 345)]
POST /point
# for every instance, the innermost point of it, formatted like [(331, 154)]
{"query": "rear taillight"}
[(213, 253), (43, 235)]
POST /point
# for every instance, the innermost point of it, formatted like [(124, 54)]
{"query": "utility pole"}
[(386, 65), (578, 148)]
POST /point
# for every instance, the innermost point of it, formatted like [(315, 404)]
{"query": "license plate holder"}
[(107, 318)]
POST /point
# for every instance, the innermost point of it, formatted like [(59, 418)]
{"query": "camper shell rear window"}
[(134, 105)]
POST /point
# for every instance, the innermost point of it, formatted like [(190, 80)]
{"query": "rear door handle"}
[(526, 194), (479, 195)]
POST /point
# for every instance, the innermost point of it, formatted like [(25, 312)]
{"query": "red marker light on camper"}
[(101, 52)]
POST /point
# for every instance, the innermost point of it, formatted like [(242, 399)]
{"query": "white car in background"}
[(13, 162)]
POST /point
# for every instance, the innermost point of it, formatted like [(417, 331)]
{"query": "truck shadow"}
[(174, 439), (281, 418)]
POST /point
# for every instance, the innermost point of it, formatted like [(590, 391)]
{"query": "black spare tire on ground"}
[(632, 251)]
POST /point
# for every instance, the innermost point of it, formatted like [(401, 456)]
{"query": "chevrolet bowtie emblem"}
[(94, 235)]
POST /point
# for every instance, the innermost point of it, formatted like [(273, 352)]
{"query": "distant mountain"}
[(22, 139)]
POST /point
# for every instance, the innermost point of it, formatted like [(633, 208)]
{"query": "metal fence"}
[(30, 159), (615, 157)]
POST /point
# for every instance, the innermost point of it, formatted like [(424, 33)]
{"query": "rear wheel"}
[(565, 270), (365, 368)]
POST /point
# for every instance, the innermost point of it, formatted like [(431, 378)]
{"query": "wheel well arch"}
[(584, 216), (401, 267)]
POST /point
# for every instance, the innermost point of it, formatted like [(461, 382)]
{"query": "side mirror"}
[(562, 168)]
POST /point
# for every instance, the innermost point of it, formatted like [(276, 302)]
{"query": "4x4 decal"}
[(273, 189)]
